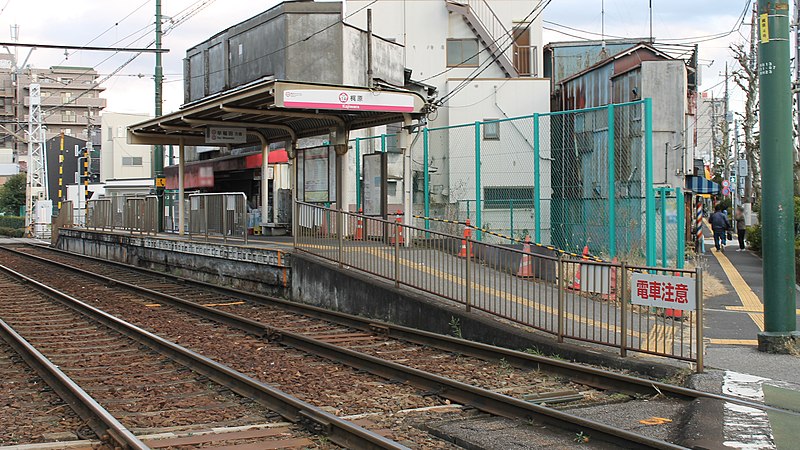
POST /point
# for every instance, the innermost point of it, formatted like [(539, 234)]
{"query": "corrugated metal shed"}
[(565, 59)]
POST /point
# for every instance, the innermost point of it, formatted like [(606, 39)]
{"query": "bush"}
[(12, 222), (753, 236), (12, 232)]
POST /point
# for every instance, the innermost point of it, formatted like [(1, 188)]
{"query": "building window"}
[(68, 116), (67, 131), (508, 197), (462, 52), (66, 97), (131, 160), (491, 129)]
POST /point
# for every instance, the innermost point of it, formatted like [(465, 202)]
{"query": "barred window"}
[(507, 197), (131, 160)]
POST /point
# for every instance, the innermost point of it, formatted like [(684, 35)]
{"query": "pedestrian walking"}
[(720, 226), (740, 227)]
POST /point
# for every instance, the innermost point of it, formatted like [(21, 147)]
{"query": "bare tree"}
[(746, 77)]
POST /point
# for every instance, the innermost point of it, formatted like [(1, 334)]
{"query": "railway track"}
[(99, 366), (364, 345)]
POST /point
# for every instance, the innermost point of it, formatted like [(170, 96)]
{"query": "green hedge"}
[(12, 222), (12, 232)]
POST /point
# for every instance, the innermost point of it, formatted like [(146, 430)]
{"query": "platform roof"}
[(280, 111)]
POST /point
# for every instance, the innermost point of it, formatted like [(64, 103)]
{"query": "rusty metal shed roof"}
[(281, 111)]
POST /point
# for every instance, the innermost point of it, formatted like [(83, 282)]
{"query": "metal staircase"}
[(480, 17)]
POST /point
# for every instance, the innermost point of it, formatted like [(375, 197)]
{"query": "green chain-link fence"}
[(568, 179)]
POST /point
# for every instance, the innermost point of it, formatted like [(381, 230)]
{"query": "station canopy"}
[(278, 111)]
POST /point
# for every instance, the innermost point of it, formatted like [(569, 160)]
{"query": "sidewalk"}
[(733, 317)]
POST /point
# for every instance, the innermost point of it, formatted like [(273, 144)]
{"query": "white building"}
[(118, 159), (710, 117), (491, 55)]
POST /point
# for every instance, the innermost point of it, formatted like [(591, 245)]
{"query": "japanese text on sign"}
[(663, 291)]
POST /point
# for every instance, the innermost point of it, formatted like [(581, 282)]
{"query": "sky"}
[(129, 23)]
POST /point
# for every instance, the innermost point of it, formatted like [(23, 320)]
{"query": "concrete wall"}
[(114, 147), (257, 269), (320, 284), (665, 83), (297, 41)]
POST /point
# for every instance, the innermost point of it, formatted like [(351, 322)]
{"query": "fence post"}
[(398, 230), (246, 219), (511, 209), (699, 319), (650, 203), (623, 346), (426, 180), (205, 214), (663, 193), (560, 298), (339, 236), (295, 219), (612, 188), (358, 174), (224, 218), (680, 254), (536, 183), (468, 276), (478, 223)]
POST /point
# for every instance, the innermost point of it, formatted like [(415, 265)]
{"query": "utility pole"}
[(158, 150), (777, 162)]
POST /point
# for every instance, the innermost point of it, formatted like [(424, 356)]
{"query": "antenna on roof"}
[(603, 23), (651, 21)]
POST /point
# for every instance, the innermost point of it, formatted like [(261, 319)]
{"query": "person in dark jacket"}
[(740, 227), (719, 225)]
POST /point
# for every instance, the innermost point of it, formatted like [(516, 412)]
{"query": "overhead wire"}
[(200, 4)]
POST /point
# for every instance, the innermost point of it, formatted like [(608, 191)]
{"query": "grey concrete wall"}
[(248, 268), (320, 284), (665, 83)]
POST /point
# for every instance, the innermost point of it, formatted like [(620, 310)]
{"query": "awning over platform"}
[(700, 185), (276, 111)]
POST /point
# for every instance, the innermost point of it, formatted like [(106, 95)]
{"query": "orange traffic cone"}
[(465, 242), (576, 281), (399, 229), (359, 227), (526, 263)]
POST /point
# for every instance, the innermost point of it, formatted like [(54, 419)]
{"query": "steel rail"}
[(102, 422), (340, 431), (479, 398), (589, 376)]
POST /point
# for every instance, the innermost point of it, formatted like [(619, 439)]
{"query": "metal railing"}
[(140, 214), (491, 23), (571, 298), (222, 214), (99, 214)]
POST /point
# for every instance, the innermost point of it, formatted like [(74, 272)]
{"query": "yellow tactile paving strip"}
[(733, 341), (749, 299)]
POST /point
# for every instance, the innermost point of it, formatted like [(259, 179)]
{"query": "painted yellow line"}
[(659, 336), (495, 292), (749, 299), (212, 305), (733, 342), (743, 309)]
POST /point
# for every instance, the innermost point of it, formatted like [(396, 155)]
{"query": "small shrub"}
[(12, 232), (12, 222), (753, 236)]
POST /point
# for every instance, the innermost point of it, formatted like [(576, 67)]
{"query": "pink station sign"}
[(357, 100)]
